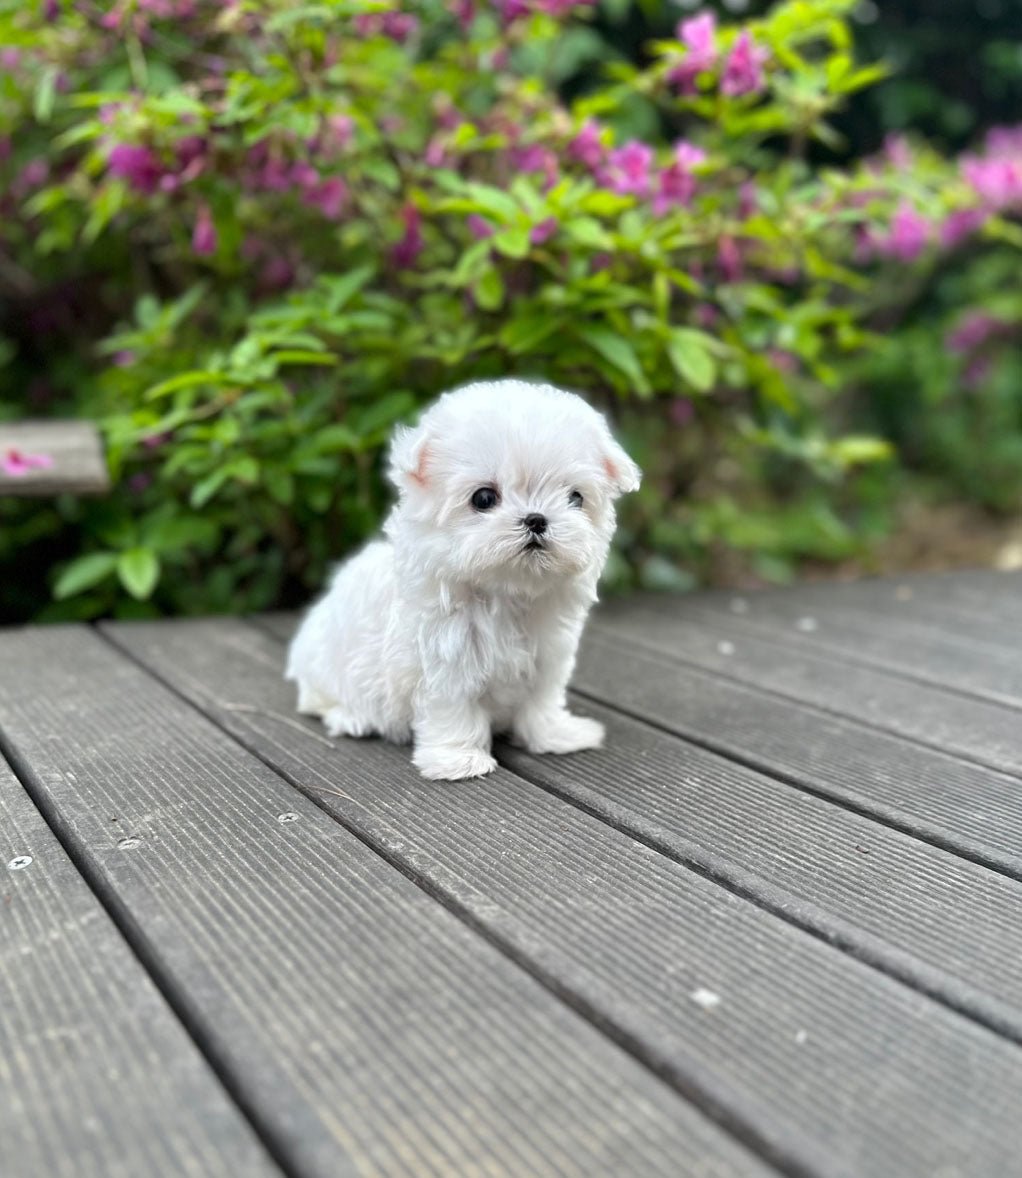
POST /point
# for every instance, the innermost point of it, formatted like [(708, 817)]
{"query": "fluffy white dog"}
[(465, 619)]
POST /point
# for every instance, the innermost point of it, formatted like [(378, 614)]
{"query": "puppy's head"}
[(508, 484)]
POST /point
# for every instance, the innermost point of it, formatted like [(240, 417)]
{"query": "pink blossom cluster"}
[(138, 14), (513, 10), (996, 175), (398, 26), (742, 71), (631, 169)]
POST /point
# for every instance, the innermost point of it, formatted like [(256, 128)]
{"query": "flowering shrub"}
[(263, 233), (946, 383)]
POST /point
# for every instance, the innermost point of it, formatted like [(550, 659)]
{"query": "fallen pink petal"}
[(18, 463)]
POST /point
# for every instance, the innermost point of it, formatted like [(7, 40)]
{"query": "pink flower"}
[(729, 258), (398, 26), (139, 166), (743, 70), (17, 464), (329, 196), (204, 239), (124, 358), (464, 12), (748, 199), (973, 331), (977, 371), (627, 169), (139, 482), (676, 184), (340, 130), (908, 237), (537, 159), (435, 154), (587, 147), (155, 441), (9, 58), (997, 180), (961, 225), (699, 35), (411, 244), (512, 10), (543, 231), (479, 227), (560, 7)]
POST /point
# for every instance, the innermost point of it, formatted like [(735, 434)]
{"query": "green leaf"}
[(856, 450), (184, 380), (489, 289), (514, 243), (691, 358), (343, 288), (84, 572), (206, 488), (293, 356), (45, 94), (138, 570), (617, 351)]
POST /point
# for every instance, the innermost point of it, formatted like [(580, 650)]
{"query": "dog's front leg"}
[(452, 738), (451, 727), (543, 723)]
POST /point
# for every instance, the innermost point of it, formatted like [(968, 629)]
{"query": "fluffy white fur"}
[(450, 628)]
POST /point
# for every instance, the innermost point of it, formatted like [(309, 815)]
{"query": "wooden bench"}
[(772, 929), (43, 458)]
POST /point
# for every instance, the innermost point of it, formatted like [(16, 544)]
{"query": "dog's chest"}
[(505, 643)]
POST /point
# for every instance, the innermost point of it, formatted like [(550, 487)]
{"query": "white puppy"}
[(465, 619)]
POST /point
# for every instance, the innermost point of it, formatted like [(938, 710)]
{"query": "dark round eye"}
[(575, 499), (484, 498)]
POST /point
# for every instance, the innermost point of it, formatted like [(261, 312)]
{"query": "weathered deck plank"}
[(921, 913), (963, 656), (73, 455), (954, 803), (98, 1079), (944, 720), (368, 1030), (632, 936)]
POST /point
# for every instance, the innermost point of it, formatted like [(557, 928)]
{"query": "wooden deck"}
[(774, 928)]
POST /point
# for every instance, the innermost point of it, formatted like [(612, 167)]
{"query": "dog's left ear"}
[(621, 471), (409, 457)]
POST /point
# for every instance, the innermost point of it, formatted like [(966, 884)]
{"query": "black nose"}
[(535, 523)]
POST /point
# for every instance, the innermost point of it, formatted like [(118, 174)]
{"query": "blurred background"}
[(779, 244)]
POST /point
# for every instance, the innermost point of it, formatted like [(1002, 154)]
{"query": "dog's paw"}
[(561, 733), (339, 722), (452, 762)]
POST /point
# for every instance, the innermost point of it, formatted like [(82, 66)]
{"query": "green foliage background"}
[(248, 340)]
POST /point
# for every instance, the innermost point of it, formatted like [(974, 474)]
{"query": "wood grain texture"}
[(975, 729), (823, 1062), (78, 464), (954, 803), (965, 656), (369, 1030), (98, 1079)]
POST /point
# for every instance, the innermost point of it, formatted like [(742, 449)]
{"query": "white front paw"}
[(561, 732), (452, 762)]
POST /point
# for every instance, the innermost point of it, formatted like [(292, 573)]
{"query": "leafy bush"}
[(250, 237)]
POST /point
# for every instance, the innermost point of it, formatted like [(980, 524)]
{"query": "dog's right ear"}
[(409, 458)]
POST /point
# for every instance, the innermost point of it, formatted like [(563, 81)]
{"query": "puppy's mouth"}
[(534, 545)]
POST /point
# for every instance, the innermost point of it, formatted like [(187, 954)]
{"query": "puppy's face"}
[(509, 485)]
